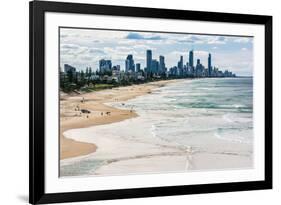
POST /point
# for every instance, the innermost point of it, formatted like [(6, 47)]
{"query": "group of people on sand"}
[(105, 113), (85, 111)]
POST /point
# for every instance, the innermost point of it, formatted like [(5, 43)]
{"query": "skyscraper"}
[(148, 60), (180, 63), (129, 63), (199, 69), (191, 58), (180, 66), (154, 66), (209, 65), (161, 64), (138, 67), (69, 68), (105, 65)]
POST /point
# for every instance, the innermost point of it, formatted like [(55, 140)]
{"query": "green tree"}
[(90, 71), (70, 76)]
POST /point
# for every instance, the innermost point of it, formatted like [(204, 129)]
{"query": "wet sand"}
[(71, 116)]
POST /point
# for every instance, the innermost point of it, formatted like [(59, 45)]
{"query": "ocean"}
[(213, 108), (210, 116)]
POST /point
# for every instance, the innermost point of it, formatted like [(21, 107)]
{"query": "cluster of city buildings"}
[(154, 68)]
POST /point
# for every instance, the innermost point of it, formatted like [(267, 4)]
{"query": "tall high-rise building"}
[(209, 65), (191, 58), (129, 63), (69, 68), (138, 67), (105, 65), (162, 67), (199, 70), (116, 68), (180, 66), (154, 66), (180, 63), (148, 60)]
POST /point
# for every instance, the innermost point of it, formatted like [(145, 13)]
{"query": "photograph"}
[(135, 102), (132, 102)]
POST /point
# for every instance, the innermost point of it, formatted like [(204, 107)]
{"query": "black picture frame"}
[(37, 9)]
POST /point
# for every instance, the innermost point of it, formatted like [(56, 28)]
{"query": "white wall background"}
[(14, 100)]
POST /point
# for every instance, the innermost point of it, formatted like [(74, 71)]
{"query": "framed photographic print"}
[(140, 102)]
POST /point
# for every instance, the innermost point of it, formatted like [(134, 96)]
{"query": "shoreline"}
[(140, 147), (72, 118)]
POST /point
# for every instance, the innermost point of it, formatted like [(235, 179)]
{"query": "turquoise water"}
[(79, 168), (233, 95), (200, 109)]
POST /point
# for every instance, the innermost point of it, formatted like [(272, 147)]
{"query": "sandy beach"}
[(95, 102)]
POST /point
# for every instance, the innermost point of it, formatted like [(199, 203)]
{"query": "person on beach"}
[(77, 107)]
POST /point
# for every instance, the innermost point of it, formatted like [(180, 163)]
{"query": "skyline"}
[(84, 48)]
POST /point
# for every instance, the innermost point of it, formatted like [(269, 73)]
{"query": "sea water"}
[(201, 108)]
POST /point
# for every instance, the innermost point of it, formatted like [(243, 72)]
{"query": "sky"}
[(83, 48)]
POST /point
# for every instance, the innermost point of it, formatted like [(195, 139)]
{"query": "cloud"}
[(216, 40), (143, 47), (244, 49), (202, 39), (69, 46), (242, 40), (190, 39), (134, 36), (137, 36), (97, 41), (178, 53), (202, 53), (185, 41), (195, 38), (154, 38), (96, 51)]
